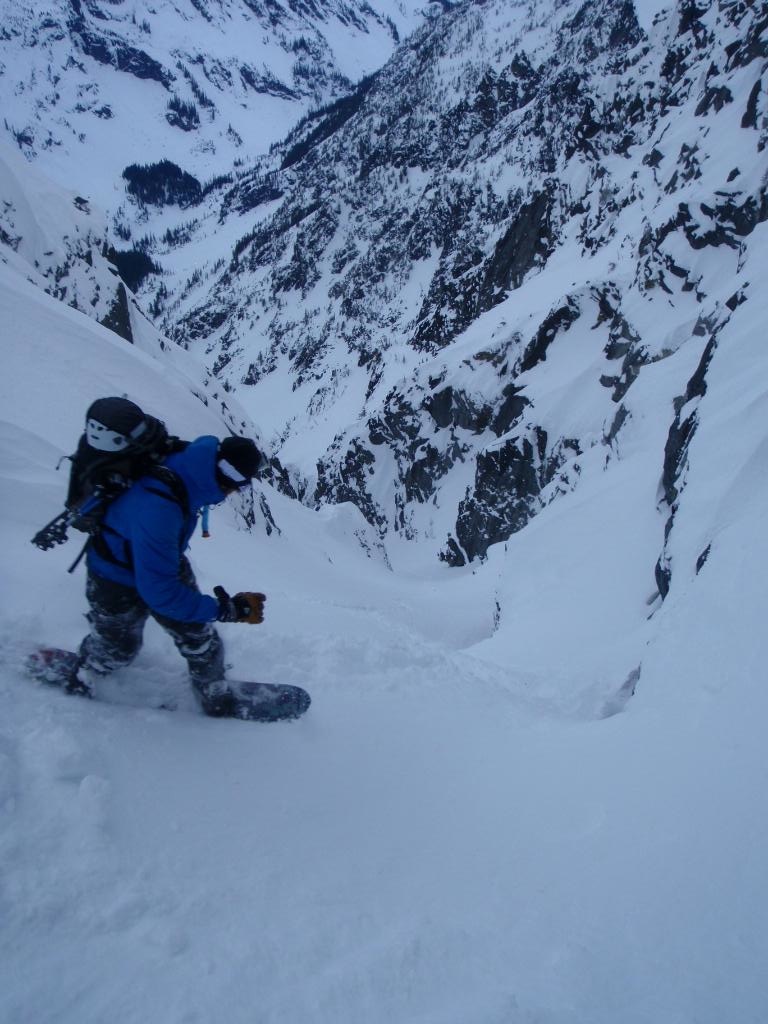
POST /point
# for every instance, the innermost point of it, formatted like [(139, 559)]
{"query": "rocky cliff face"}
[(449, 285), (64, 244), (444, 294)]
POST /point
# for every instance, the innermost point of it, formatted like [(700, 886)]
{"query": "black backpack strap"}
[(80, 557), (99, 544), (176, 492)]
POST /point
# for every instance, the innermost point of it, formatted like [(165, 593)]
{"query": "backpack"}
[(120, 444)]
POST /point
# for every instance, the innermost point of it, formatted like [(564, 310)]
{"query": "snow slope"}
[(473, 823)]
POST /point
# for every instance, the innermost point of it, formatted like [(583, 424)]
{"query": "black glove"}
[(243, 607)]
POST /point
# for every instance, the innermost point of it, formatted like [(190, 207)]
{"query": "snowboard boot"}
[(80, 682), (58, 667)]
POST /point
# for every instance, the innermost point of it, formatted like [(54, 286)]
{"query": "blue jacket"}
[(151, 532)]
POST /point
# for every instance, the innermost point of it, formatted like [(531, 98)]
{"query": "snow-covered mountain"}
[(502, 302), (517, 798), (89, 87), (361, 285), (439, 294)]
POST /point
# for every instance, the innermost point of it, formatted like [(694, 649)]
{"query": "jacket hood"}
[(196, 466)]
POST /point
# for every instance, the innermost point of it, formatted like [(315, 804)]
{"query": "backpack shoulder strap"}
[(177, 492)]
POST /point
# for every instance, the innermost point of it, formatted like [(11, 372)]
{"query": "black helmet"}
[(238, 461), (114, 424)]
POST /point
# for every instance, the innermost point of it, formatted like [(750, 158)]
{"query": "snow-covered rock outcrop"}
[(445, 287), (437, 295)]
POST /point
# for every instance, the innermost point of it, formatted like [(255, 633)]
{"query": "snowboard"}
[(250, 702)]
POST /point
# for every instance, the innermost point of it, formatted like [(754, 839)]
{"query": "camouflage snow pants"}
[(117, 617)]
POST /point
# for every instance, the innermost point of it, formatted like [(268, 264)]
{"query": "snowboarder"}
[(137, 567), (205, 520)]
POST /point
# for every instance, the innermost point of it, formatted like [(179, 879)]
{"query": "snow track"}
[(422, 851), (455, 833)]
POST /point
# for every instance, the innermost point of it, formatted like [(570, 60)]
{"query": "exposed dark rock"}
[(398, 423), (736, 299), (731, 221), (118, 319), (451, 408), (715, 98), (525, 243), (270, 524), (204, 321), (108, 49), (663, 575), (701, 560), (753, 43), (621, 417), (682, 430), (348, 479), (681, 433), (749, 120), (513, 405), (625, 30), (506, 479), (558, 320), (422, 474), (266, 84)]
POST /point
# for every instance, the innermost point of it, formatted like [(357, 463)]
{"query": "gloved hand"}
[(245, 606)]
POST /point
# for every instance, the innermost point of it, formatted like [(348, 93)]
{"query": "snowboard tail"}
[(52, 665), (248, 701)]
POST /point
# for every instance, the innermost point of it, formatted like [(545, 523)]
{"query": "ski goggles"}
[(232, 477)]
